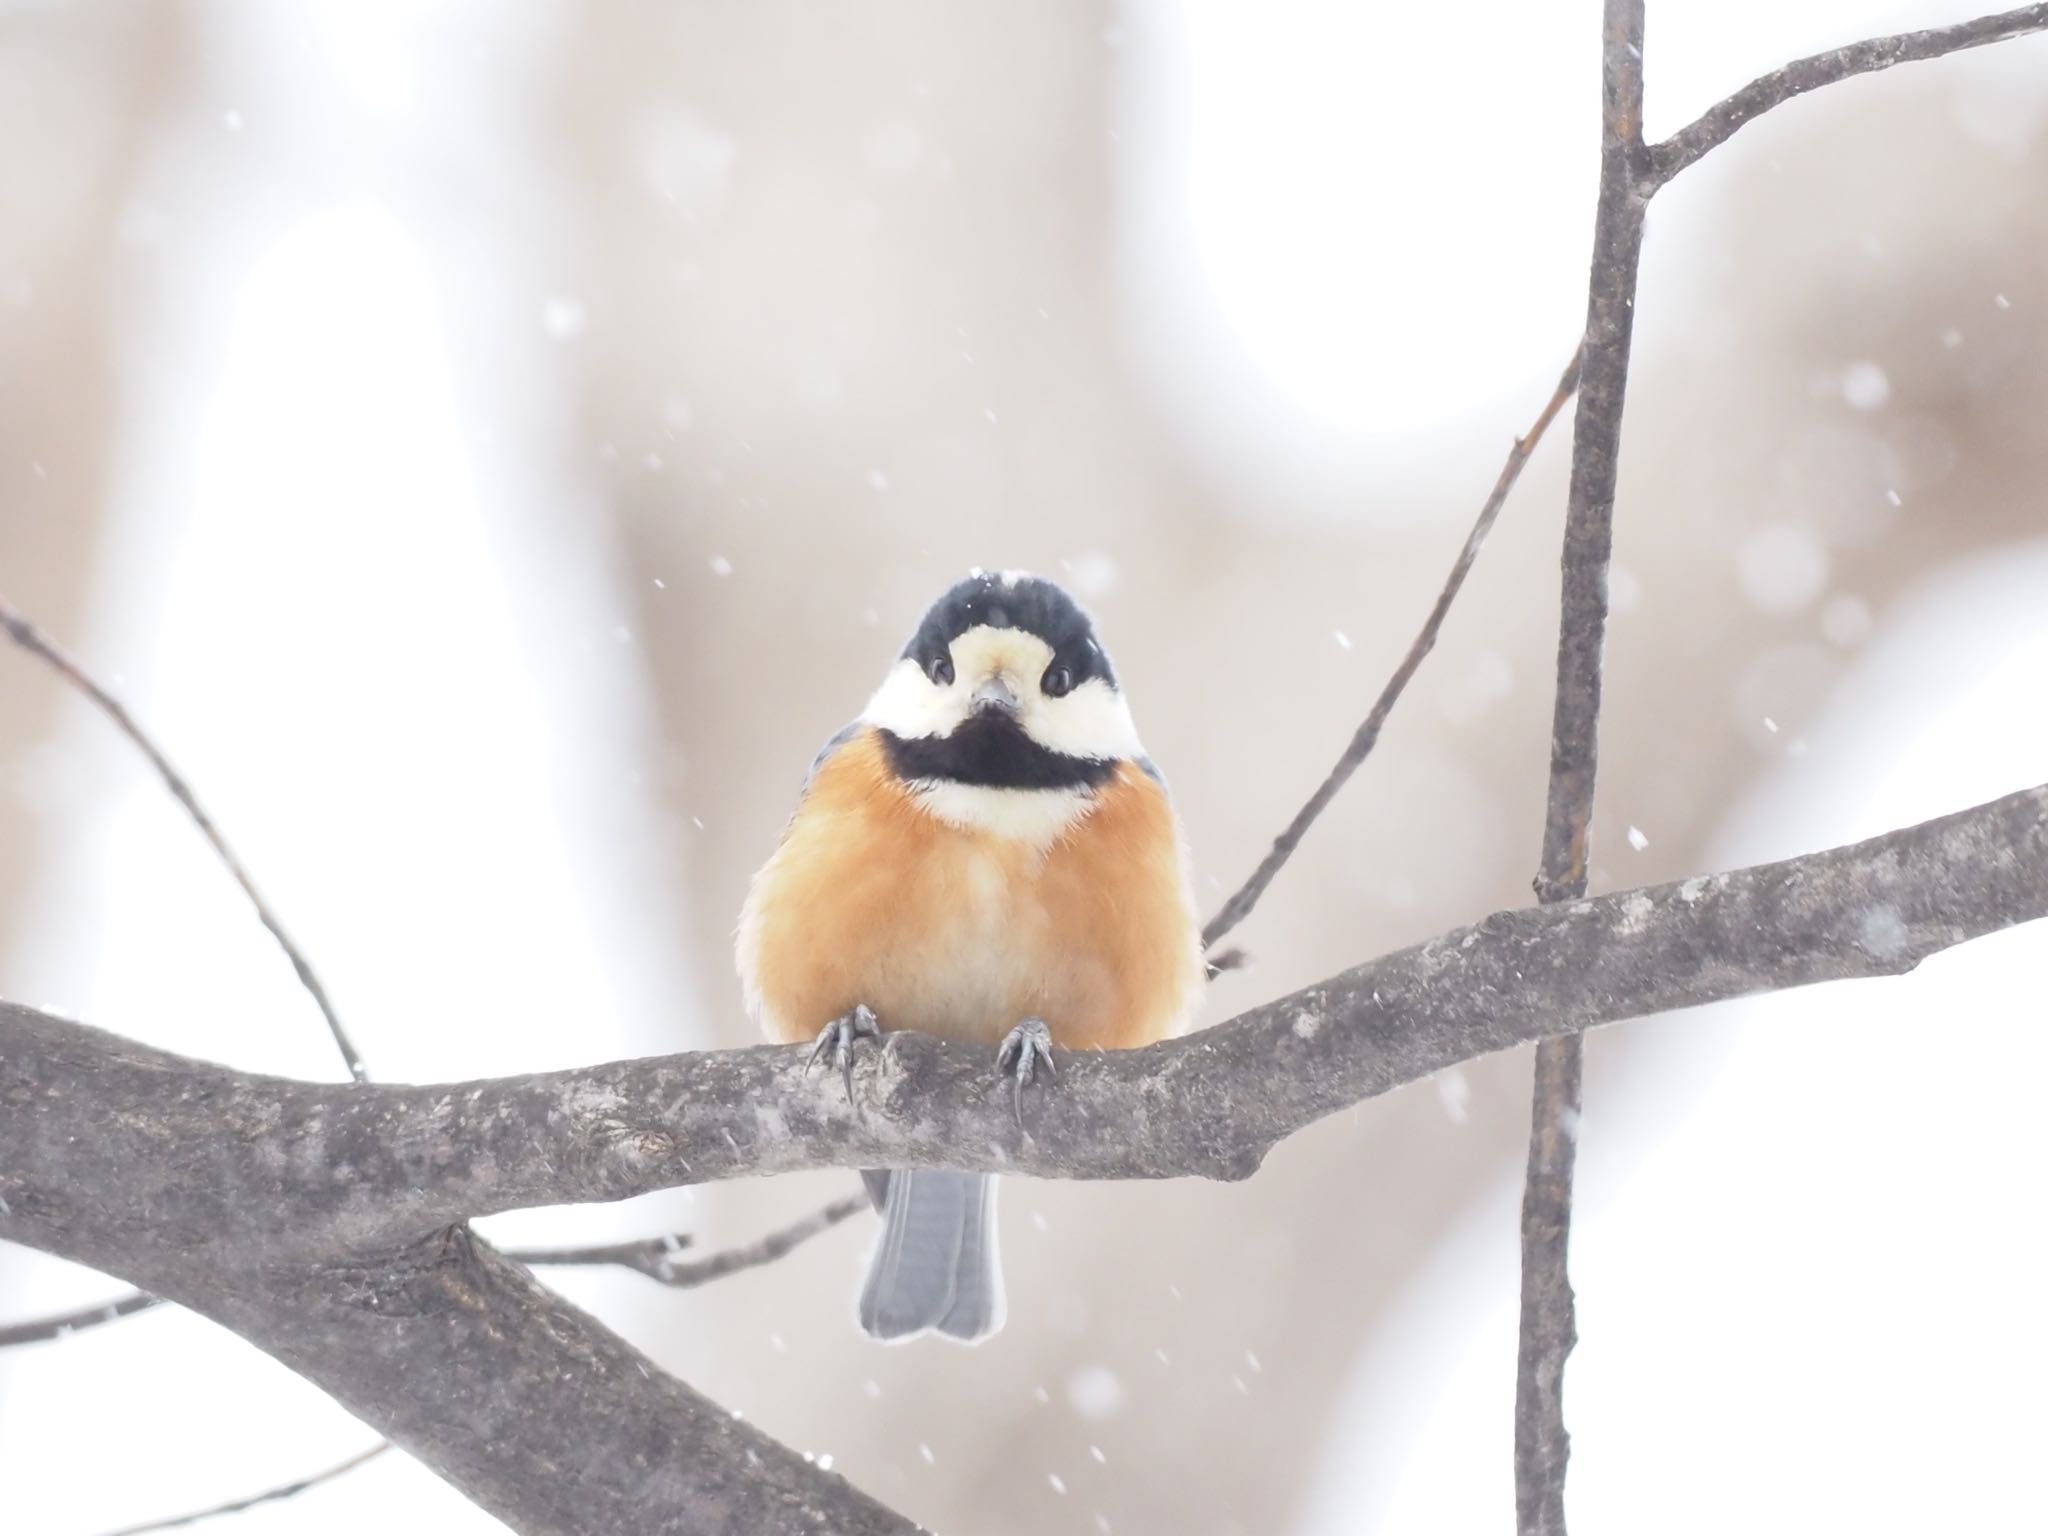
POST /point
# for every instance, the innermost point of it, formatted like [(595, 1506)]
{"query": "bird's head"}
[(1004, 686)]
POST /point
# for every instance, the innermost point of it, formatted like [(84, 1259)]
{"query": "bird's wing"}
[(838, 739)]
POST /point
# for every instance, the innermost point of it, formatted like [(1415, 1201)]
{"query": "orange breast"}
[(959, 932)]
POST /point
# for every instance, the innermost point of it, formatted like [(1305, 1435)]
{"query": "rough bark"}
[(1549, 1312)]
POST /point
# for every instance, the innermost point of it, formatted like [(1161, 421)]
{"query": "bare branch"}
[(37, 644), (163, 1148), (1720, 122), (47, 1329), (314, 1218), (268, 1496), (1548, 1324), (523, 1402), (657, 1257), (1241, 902), (654, 1257)]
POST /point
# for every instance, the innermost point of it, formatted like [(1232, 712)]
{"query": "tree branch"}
[(131, 1159), (526, 1404), (1548, 1324), (316, 1219), (825, 1495), (1724, 119), (1367, 736)]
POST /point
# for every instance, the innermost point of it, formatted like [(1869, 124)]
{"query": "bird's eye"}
[(1056, 682), (941, 671)]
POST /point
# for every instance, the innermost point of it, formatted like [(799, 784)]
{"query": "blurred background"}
[(492, 446)]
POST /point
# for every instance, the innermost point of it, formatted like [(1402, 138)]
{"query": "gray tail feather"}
[(935, 1265)]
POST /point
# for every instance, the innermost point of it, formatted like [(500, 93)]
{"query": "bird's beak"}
[(995, 696)]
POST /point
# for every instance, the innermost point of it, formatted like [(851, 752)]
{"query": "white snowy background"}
[(491, 445)]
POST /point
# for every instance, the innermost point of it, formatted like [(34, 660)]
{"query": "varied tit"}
[(985, 854)]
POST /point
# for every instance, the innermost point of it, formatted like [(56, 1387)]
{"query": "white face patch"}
[(1091, 721)]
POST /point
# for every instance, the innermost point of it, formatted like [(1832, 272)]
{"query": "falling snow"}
[(1882, 932), (1092, 574), (1845, 619), (1095, 1392), (1865, 386), (1782, 567), (563, 316), (1454, 1092)]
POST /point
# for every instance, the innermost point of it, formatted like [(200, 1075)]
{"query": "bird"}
[(988, 855)]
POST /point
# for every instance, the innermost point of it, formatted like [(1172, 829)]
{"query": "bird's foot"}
[(837, 1040), (1024, 1050)]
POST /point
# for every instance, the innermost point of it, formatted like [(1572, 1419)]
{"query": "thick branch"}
[(538, 1341), (1548, 1326), (303, 1216), (111, 1152), (1720, 122), (531, 1407)]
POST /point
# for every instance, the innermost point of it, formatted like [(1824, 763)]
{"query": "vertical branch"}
[(1548, 1320)]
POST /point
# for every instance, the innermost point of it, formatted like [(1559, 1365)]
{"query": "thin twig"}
[(268, 1496), (36, 643), (655, 1257), (1240, 905), (1549, 1325), (1721, 121), (45, 1329)]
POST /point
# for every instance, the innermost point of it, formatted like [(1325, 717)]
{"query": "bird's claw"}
[(838, 1039), (1023, 1051)]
